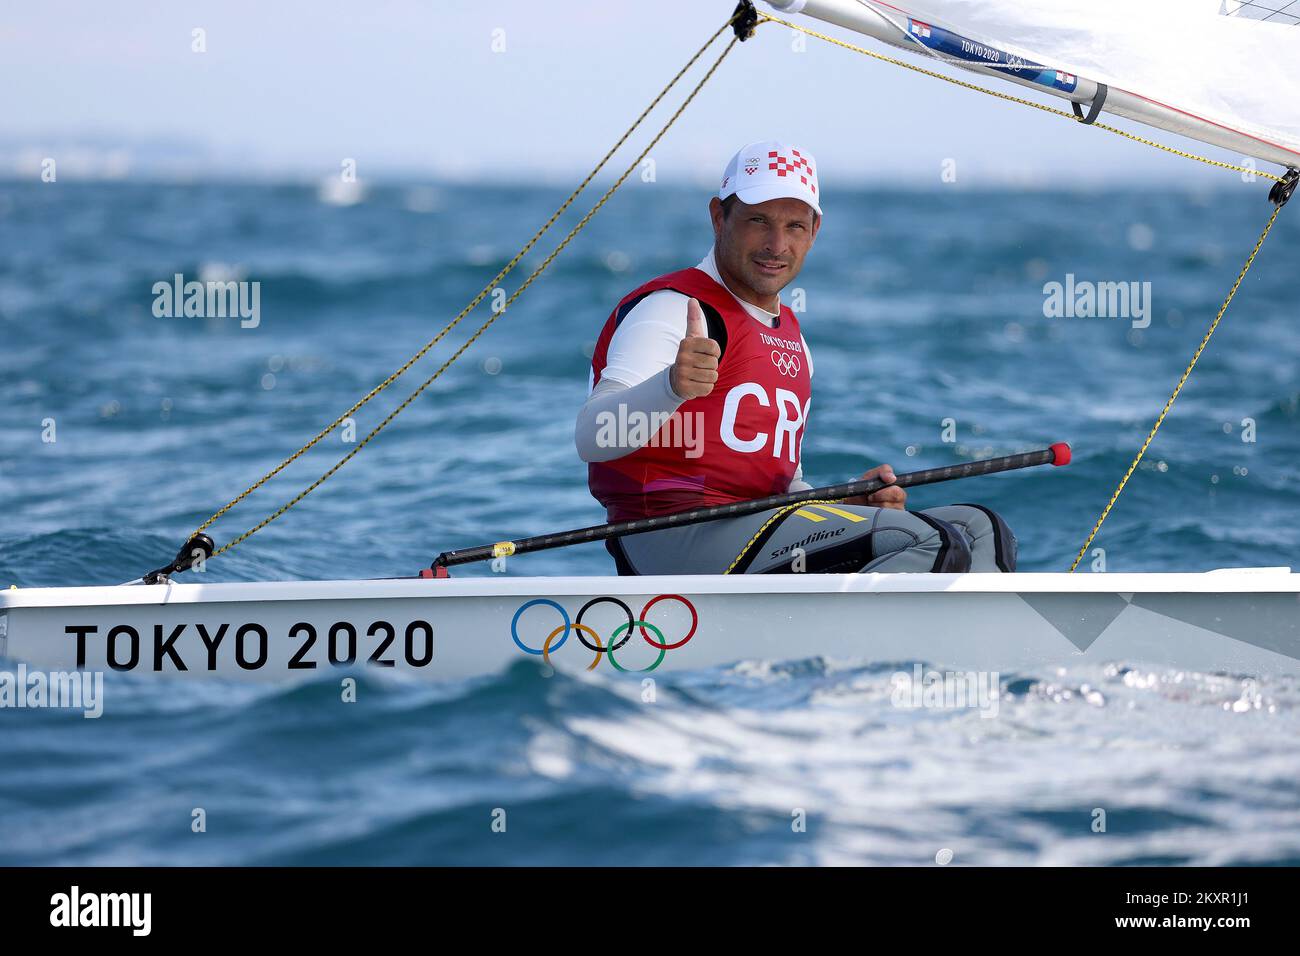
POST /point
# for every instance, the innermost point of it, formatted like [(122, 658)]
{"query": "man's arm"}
[(636, 373), (660, 357)]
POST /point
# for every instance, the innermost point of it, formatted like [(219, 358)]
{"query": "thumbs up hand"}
[(696, 368)]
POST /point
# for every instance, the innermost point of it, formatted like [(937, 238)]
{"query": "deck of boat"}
[(1244, 620)]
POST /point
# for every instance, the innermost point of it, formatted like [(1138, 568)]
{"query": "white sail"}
[(1276, 11), (1225, 72)]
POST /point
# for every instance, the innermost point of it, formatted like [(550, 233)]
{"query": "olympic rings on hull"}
[(621, 635)]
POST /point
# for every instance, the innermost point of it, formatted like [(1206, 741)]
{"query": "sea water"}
[(936, 324)]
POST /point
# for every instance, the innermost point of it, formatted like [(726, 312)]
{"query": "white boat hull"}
[(1244, 621)]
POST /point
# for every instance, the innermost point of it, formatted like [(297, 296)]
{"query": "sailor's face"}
[(763, 246)]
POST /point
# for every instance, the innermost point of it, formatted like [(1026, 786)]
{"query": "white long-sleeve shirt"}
[(639, 359)]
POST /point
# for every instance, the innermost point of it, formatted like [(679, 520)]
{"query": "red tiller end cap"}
[(1061, 451), (438, 572)]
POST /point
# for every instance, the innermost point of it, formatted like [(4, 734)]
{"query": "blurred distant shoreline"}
[(106, 159)]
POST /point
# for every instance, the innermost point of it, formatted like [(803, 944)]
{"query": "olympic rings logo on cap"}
[(550, 644)]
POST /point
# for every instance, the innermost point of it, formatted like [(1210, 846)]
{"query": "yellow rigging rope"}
[(1177, 388), (1015, 99), (474, 303), (744, 20), (1282, 196), (777, 515)]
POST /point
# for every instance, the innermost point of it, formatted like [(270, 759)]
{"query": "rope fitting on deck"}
[(195, 551)]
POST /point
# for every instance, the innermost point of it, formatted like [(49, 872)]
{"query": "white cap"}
[(771, 170)]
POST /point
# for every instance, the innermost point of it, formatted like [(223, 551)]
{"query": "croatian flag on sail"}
[(919, 29), (1066, 78)]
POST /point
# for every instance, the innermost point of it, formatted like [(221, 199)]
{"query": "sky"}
[(499, 89)]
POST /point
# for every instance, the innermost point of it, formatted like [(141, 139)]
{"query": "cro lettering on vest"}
[(787, 418)]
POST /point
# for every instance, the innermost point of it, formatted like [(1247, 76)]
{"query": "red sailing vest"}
[(741, 441)]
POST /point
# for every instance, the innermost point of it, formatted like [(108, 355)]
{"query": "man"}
[(701, 387)]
